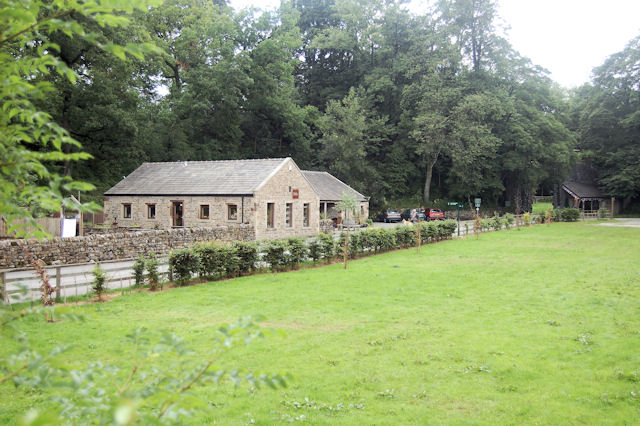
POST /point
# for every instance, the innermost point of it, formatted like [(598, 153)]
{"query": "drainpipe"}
[(242, 209)]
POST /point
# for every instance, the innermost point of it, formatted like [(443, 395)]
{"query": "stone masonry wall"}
[(279, 190), (218, 211), (115, 246)]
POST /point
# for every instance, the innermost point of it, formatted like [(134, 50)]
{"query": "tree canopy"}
[(395, 104)]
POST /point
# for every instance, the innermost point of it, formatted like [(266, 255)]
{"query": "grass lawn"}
[(538, 325), (541, 207)]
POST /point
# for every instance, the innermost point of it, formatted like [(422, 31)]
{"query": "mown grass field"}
[(539, 325)]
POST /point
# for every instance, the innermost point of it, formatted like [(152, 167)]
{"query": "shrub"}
[(247, 254), (496, 222), (356, 240), (428, 232), (570, 215), (406, 236), (184, 263), (315, 250), (487, 223), (229, 260), (527, 218), (151, 264), (297, 251), (274, 254), (99, 281), (386, 239), (556, 214), (508, 220), (138, 271), (211, 259), (445, 229), (328, 244)]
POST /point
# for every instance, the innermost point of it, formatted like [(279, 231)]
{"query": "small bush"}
[(151, 264), (211, 260), (297, 251), (556, 214), (526, 218), (496, 222), (570, 215), (184, 264), (328, 244), (138, 271), (99, 281), (509, 219), (406, 236), (315, 250), (274, 254), (247, 254)]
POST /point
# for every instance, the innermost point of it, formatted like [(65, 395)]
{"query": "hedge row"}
[(212, 260)]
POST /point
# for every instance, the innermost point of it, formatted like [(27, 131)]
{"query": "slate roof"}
[(584, 191), (330, 188), (229, 177)]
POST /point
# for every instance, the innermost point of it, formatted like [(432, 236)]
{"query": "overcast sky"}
[(567, 37)]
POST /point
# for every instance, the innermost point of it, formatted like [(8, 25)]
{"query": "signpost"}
[(477, 203), (459, 205)]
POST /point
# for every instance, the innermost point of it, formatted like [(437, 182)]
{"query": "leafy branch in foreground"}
[(30, 139), (159, 387)]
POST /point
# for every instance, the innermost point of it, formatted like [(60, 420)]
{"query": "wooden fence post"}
[(58, 282), (3, 287)]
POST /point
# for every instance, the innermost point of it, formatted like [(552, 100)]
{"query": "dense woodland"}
[(438, 106)]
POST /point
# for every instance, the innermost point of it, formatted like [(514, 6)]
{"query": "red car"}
[(434, 214)]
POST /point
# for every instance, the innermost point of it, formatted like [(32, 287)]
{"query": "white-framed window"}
[(305, 214), (151, 211), (288, 215)]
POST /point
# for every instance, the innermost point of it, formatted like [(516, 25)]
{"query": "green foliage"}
[(99, 281), (297, 251), (496, 222), (556, 215), (212, 259), (570, 214), (527, 218), (32, 141), (328, 246), (406, 236), (184, 264), (275, 254), (158, 388), (247, 253), (315, 249), (509, 220), (138, 271), (151, 264), (606, 114)]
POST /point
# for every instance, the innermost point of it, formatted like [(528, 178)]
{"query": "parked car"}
[(434, 214), (407, 214), (389, 215)]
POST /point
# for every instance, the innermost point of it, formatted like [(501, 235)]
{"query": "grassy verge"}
[(532, 326)]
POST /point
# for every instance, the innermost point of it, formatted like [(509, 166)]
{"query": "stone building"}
[(331, 191), (272, 195)]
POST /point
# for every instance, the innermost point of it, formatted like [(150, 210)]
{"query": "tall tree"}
[(608, 114)]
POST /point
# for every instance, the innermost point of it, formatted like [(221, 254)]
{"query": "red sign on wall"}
[(296, 194)]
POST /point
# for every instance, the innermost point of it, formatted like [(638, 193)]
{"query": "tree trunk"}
[(427, 181)]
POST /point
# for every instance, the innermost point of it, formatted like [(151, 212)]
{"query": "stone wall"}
[(121, 245), (218, 207), (279, 189)]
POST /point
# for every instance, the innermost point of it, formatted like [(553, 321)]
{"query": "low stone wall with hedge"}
[(122, 245)]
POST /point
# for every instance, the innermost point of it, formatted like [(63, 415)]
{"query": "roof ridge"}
[(215, 161)]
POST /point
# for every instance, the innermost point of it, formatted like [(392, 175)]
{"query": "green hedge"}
[(214, 260)]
